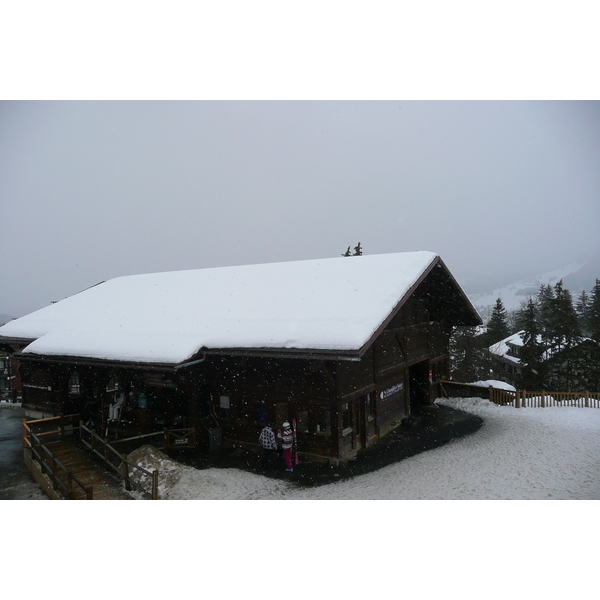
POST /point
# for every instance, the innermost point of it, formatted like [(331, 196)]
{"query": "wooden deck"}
[(105, 486)]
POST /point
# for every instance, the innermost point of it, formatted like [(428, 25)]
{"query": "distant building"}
[(348, 347), (505, 358), (10, 388)]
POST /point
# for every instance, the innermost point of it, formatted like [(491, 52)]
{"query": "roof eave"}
[(94, 362), (296, 353), (290, 353)]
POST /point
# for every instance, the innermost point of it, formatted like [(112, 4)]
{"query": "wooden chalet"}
[(348, 346)]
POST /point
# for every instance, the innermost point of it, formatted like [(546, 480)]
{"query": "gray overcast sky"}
[(93, 190)]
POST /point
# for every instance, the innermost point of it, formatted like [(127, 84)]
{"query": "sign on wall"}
[(391, 391)]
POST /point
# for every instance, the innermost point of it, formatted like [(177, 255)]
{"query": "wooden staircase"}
[(105, 487), (65, 470)]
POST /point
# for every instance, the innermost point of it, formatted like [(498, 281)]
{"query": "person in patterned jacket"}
[(268, 444), (287, 440)]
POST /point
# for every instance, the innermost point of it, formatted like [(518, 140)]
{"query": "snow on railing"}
[(521, 398), (525, 399)]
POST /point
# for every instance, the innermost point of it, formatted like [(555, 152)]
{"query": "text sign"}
[(391, 391)]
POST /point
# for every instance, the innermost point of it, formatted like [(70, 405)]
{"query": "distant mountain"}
[(576, 277)]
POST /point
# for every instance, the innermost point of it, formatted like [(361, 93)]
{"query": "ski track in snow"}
[(531, 453)]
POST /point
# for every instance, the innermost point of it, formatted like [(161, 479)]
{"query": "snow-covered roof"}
[(502, 347), (334, 304)]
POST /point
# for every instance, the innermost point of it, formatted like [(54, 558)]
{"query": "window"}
[(323, 420), (346, 416), (261, 412), (74, 384), (112, 384), (245, 409), (302, 422), (224, 407), (371, 406)]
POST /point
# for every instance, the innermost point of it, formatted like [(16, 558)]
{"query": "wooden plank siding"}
[(341, 406)]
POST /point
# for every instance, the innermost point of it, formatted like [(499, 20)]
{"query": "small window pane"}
[(302, 423), (224, 407), (323, 420), (346, 420)]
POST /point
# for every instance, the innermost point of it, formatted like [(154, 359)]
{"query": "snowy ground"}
[(428, 549), (522, 454)]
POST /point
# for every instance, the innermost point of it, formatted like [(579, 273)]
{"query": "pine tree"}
[(568, 361), (593, 312), (564, 336), (582, 308), (565, 330), (497, 327), (545, 299), (469, 357), (532, 351)]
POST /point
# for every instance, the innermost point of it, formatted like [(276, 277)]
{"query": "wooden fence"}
[(543, 399), (146, 482), (39, 434), (35, 433), (520, 398)]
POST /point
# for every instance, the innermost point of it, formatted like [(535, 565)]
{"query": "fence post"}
[(24, 428), (518, 399), (126, 474), (155, 484), (543, 398), (587, 399), (42, 461)]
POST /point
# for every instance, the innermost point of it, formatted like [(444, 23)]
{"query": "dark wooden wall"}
[(341, 406)]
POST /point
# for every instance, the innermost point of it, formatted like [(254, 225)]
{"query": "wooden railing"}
[(525, 399), (62, 477), (500, 396), (119, 463), (53, 429), (520, 398)]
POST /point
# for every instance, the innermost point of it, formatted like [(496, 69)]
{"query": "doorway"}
[(418, 375)]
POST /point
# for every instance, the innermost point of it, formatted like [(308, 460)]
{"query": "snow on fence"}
[(521, 398), (525, 399)]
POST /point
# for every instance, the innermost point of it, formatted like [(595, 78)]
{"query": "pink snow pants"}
[(287, 454)]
